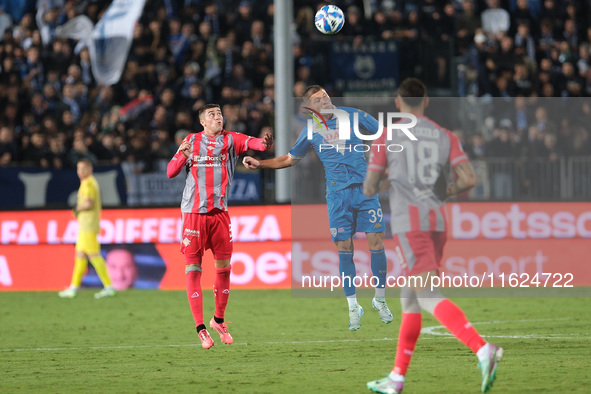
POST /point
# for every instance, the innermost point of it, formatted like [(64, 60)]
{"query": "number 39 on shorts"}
[(376, 215)]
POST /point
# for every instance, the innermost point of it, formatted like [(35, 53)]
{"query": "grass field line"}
[(432, 330)]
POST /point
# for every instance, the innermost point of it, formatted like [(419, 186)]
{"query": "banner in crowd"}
[(485, 242), (157, 189), (368, 67), (37, 188)]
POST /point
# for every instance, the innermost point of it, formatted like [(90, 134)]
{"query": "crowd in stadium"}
[(188, 52)]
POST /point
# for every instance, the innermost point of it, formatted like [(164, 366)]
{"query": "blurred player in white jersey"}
[(418, 190)]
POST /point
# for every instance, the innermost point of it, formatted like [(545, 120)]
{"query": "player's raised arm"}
[(179, 159), (275, 163), (466, 179), (368, 122), (261, 144)]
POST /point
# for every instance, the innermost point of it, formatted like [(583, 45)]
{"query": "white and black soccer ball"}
[(329, 19)]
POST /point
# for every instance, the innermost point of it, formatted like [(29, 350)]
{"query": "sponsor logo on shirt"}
[(186, 241), (191, 233), (210, 161)]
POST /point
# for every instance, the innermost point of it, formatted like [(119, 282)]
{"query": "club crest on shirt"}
[(333, 231)]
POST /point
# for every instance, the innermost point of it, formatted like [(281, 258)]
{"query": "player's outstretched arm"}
[(273, 164), (261, 144), (371, 184), (466, 179)]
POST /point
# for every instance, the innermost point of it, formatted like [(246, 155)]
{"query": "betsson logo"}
[(517, 224)]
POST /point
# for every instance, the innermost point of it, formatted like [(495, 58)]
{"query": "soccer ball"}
[(329, 19)]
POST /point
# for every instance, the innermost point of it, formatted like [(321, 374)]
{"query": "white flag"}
[(45, 29), (111, 40), (77, 28)]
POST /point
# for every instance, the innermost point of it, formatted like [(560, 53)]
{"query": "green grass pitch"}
[(145, 342)]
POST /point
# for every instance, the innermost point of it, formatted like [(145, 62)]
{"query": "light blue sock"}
[(347, 269), (379, 268)]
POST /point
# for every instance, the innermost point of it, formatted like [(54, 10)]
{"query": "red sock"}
[(453, 318), (195, 296), (221, 291), (410, 329)]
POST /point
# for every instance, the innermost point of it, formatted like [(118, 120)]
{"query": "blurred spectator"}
[(354, 25), (67, 122), (8, 147), (36, 149), (523, 84), (32, 71), (69, 103), (476, 149), (161, 145), (139, 153), (243, 22), (495, 20), (465, 25), (218, 21), (80, 151), (501, 147), (543, 122), (109, 151), (179, 136), (55, 157), (39, 106), (524, 42)]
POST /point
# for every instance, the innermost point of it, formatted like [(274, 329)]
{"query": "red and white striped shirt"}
[(210, 167), (416, 189)]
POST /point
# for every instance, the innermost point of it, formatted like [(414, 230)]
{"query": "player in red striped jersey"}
[(419, 186), (210, 159)]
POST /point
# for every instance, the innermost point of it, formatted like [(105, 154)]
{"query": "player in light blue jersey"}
[(349, 211)]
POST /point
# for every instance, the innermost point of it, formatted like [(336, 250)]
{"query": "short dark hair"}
[(412, 91), (206, 107), (86, 161), (310, 90)]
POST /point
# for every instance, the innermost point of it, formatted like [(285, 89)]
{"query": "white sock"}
[(482, 353), (380, 292), (352, 300), (395, 377), (72, 287)]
